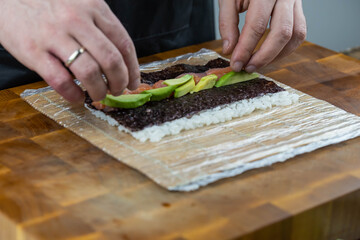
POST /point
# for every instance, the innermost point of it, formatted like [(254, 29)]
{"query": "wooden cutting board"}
[(55, 185)]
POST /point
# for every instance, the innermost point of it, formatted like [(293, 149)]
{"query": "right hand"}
[(287, 31), (43, 34)]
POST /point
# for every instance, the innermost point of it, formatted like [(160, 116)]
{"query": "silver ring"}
[(74, 56), (104, 79)]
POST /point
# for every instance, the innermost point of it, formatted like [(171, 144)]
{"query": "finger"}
[(107, 22), (108, 57), (84, 67), (256, 22), (228, 24), (299, 32), (58, 77), (88, 72), (281, 30)]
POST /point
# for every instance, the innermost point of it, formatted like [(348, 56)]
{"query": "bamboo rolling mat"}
[(198, 157)]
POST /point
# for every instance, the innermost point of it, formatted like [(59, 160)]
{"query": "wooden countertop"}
[(55, 185)]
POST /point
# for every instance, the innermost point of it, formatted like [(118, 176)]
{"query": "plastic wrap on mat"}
[(195, 158)]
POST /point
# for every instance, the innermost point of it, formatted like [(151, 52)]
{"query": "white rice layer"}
[(215, 115)]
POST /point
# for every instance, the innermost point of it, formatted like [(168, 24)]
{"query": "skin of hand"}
[(287, 31), (42, 34)]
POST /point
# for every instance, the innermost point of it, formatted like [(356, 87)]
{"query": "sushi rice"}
[(207, 117)]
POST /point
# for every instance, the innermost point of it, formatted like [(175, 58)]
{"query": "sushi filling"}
[(156, 113)]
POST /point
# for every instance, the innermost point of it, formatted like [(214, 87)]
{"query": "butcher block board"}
[(56, 185), (195, 158)]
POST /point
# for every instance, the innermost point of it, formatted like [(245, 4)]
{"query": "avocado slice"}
[(235, 77), (184, 89), (159, 94), (178, 81), (205, 83), (126, 101)]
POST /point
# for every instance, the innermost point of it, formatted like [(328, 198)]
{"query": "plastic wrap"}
[(195, 158)]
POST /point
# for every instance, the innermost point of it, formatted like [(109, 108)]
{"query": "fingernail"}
[(250, 68), (237, 66), (225, 45)]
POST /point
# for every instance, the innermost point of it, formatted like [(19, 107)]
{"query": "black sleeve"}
[(13, 73), (161, 25)]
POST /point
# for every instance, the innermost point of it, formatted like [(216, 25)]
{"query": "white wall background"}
[(334, 24)]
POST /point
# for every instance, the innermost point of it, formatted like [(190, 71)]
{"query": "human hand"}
[(43, 34), (287, 31)]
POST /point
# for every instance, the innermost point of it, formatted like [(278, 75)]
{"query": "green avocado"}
[(126, 101), (178, 81), (184, 89), (159, 94), (205, 83), (235, 77)]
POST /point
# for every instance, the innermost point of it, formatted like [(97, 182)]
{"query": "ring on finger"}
[(74, 56), (104, 78)]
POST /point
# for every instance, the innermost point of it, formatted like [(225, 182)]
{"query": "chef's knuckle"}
[(69, 17), (113, 60), (31, 46), (59, 82), (286, 32), (127, 46), (223, 24), (258, 27), (89, 71), (49, 30), (300, 33), (96, 4)]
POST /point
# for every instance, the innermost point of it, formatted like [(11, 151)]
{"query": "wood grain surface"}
[(55, 185)]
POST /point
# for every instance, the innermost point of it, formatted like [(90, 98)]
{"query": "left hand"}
[(287, 31)]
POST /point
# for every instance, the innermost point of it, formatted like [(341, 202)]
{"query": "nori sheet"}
[(156, 113)]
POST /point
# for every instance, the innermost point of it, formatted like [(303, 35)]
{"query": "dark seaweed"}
[(178, 69), (155, 113)]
